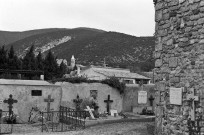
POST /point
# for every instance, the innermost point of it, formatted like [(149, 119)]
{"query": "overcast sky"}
[(134, 17)]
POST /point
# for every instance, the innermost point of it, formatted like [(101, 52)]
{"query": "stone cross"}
[(90, 112), (10, 101), (108, 101), (48, 100), (77, 101), (191, 97)]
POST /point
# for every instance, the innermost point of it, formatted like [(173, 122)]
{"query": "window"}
[(36, 93)]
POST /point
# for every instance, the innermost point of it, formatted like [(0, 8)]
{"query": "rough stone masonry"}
[(179, 54)]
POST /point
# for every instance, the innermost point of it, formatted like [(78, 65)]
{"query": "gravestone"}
[(78, 102), (108, 101), (10, 102), (114, 113), (142, 97), (90, 112), (176, 96)]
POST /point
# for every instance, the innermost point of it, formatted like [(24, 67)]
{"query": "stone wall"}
[(130, 99), (179, 54)]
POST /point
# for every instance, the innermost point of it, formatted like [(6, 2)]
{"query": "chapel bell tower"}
[(72, 61)]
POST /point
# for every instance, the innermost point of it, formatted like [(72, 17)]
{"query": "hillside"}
[(7, 37), (92, 46)]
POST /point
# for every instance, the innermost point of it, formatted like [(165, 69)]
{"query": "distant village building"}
[(104, 72), (59, 61), (124, 75)]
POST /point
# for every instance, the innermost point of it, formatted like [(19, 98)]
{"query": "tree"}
[(62, 69), (50, 66), (13, 62), (3, 58), (39, 62), (29, 61)]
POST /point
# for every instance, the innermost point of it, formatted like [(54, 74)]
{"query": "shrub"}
[(115, 83), (112, 82)]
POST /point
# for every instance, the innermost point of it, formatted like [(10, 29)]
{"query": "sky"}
[(133, 17)]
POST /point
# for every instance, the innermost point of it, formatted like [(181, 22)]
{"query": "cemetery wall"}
[(130, 99), (179, 54), (70, 92), (21, 91)]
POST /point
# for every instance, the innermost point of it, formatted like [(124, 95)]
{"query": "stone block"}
[(201, 21), (202, 3), (158, 15), (159, 6), (169, 42), (158, 47), (173, 62), (181, 1), (157, 55), (160, 86), (158, 62), (175, 80)]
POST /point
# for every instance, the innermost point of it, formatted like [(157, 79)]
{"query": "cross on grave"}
[(77, 101), (191, 97), (90, 112), (48, 100), (108, 101), (151, 99), (10, 101)]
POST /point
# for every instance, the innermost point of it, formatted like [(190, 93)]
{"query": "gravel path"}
[(129, 128)]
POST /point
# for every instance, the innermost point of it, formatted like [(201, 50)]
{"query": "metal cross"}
[(77, 101), (151, 99), (108, 101), (10, 101)]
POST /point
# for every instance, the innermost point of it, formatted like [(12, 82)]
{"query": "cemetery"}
[(65, 106)]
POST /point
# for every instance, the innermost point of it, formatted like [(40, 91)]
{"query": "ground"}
[(127, 128)]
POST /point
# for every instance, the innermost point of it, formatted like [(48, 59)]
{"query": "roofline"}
[(125, 77)]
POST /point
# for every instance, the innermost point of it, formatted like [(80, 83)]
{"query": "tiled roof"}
[(121, 74)]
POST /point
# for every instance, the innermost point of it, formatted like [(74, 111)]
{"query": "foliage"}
[(50, 66), (115, 83), (86, 102), (29, 61), (112, 82), (40, 60)]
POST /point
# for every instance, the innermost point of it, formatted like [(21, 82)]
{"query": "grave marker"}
[(10, 101), (90, 112), (108, 101), (191, 97), (151, 99), (142, 97), (175, 96), (78, 102), (114, 113), (48, 100)]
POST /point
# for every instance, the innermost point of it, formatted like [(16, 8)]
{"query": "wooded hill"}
[(92, 46)]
